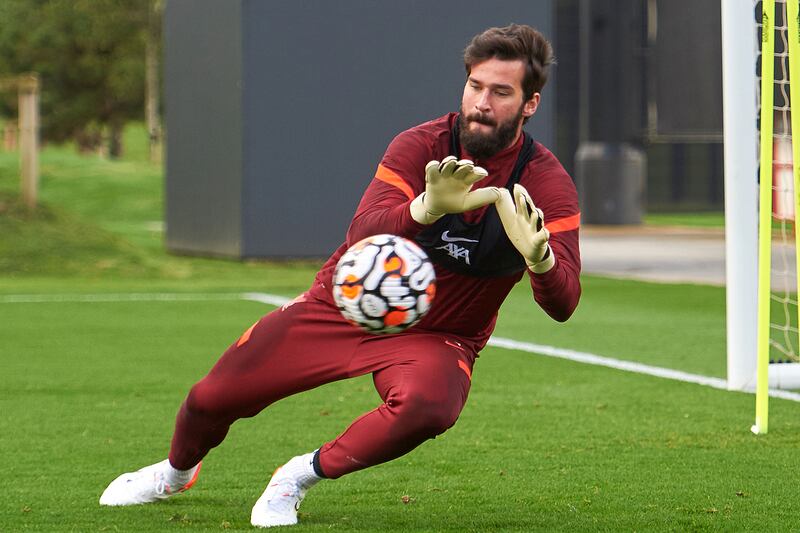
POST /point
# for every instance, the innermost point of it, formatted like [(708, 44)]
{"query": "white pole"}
[(739, 49)]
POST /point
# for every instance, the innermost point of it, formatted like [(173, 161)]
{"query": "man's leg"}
[(295, 348), (423, 380), (424, 388)]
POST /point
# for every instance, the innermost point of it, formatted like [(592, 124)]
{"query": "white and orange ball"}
[(384, 284)]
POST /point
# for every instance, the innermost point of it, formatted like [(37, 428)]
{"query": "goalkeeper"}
[(489, 205)]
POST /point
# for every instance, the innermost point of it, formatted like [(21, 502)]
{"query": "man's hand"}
[(448, 190), (524, 225)]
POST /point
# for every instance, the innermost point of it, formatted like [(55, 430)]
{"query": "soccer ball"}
[(384, 284)]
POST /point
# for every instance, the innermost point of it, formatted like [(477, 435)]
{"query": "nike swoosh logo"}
[(446, 238), (456, 345)]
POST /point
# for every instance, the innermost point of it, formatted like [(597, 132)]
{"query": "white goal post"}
[(740, 132)]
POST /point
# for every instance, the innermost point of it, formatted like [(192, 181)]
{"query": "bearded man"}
[(482, 242)]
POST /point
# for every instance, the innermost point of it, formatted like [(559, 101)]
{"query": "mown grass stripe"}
[(497, 342), (583, 357), (627, 366), (118, 297)]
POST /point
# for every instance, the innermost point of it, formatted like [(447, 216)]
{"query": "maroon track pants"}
[(422, 378)]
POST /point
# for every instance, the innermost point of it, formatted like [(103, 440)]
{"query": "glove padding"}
[(448, 190), (524, 225)]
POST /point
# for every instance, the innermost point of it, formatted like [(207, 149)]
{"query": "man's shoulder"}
[(427, 138), (547, 180), (542, 154), (432, 129), (545, 162)]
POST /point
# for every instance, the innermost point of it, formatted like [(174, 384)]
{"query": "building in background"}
[(278, 112), (647, 73)]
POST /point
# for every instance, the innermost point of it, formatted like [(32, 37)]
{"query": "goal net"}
[(778, 238), (783, 348), (761, 53)]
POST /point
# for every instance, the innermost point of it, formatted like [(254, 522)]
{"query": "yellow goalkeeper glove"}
[(524, 225), (448, 190)]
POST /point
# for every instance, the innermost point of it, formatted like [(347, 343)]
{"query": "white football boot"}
[(150, 484), (279, 503)]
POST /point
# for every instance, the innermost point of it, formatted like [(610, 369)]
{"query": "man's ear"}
[(530, 107)]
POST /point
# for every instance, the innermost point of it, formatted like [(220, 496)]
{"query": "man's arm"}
[(385, 205), (548, 245), (412, 189), (558, 290), (384, 208)]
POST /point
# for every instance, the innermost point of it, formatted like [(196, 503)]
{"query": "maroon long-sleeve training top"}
[(464, 305)]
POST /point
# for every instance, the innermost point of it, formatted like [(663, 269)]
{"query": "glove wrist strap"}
[(420, 213), (545, 264)]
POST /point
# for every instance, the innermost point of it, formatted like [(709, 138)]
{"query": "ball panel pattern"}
[(384, 284)]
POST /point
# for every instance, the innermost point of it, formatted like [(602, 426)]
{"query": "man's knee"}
[(425, 413), (205, 399), (219, 400)]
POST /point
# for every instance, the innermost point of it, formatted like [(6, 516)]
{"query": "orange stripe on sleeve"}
[(393, 178), (564, 224)]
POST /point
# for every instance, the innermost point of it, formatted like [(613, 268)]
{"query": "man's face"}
[(493, 107)]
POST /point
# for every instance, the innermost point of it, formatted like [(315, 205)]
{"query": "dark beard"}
[(480, 145)]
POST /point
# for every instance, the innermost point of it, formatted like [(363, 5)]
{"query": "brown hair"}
[(515, 41)]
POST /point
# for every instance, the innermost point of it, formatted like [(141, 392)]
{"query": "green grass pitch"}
[(90, 390)]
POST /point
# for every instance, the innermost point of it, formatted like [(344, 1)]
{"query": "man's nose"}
[(482, 104)]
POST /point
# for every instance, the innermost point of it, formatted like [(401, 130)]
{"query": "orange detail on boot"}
[(194, 478)]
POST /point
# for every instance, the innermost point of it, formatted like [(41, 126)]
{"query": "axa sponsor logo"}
[(454, 250)]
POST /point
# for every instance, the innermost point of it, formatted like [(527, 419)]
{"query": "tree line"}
[(97, 61)]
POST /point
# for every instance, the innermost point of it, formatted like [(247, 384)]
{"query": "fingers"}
[(532, 214), (432, 172), (523, 207), (462, 170), (465, 168), (436, 170), (540, 238), (446, 160), (522, 196), (448, 166), (469, 173), (477, 174), (505, 207), (540, 222), (481, 197)]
